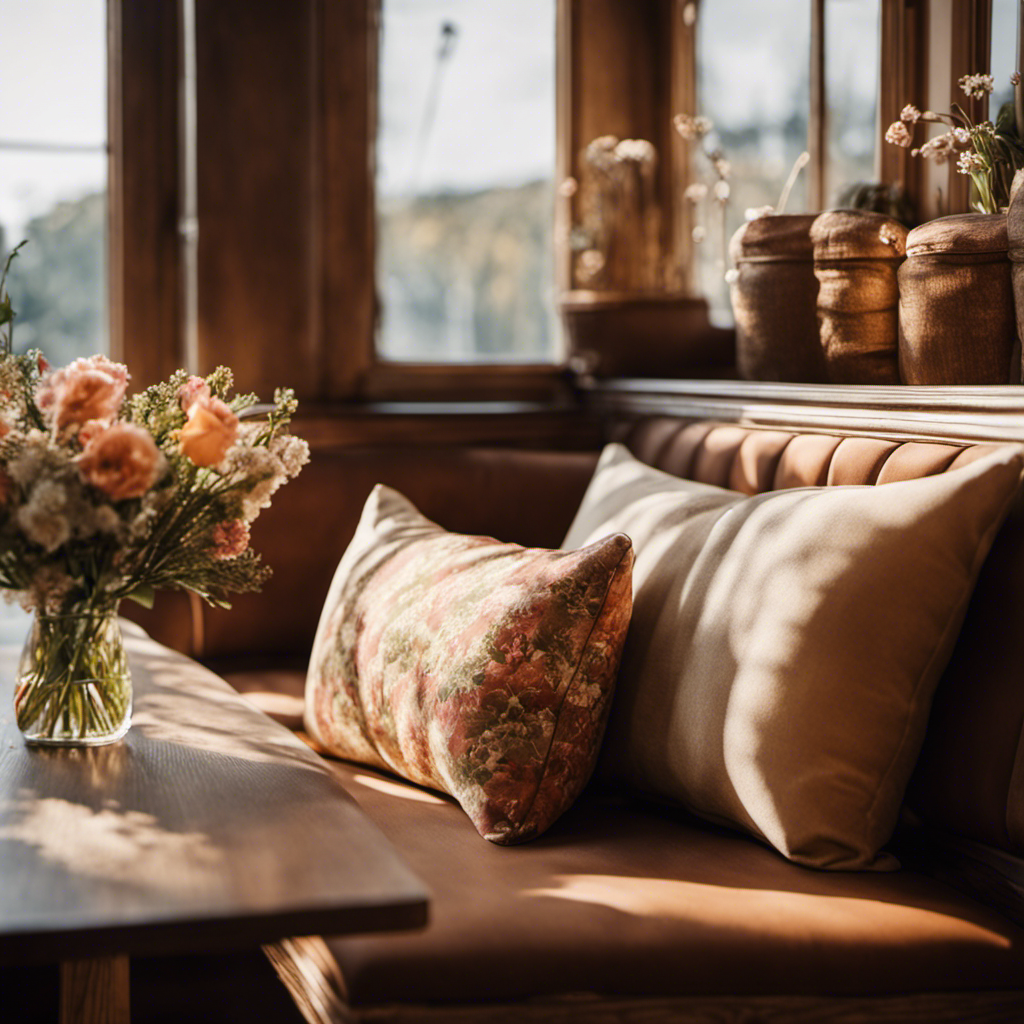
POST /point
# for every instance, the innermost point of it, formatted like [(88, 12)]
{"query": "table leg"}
[(94, 991)]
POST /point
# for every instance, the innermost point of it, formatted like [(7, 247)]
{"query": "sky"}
[(52, 90), (493, 97)]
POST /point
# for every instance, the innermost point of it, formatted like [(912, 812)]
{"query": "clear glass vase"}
[(74, 687)]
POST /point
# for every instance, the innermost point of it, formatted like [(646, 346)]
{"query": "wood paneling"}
[(144, 189), (256, 194)]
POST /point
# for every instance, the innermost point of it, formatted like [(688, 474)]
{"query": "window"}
[(1004, 52), (464, 180), (756, 68), (53, 172)]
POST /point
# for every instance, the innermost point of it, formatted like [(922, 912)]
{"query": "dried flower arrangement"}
[(616, 242), (990, 153), (104, 498)]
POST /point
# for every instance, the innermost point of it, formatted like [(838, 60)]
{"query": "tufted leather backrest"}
[(754, 460)]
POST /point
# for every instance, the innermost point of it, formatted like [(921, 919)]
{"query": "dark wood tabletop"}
[(208, 827)]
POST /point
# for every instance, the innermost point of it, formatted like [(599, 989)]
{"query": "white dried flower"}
[(721, 191), (961, 135), (910, 114), (732, 275), (722, 166), (970, 162), (568, 188), (292, 452), (940, 149), (692, 126), (977, 86), (1014, 78), (891, 237), (600, 153), (638, 151), (898, 134), (43, 518), (695, 192), (757, 212), (591, 263), (698, 234)]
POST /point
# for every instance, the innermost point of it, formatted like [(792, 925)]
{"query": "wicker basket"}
[(773, 299), (856, 257), (957, 322)]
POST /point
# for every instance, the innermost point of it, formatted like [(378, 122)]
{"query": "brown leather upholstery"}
[(619, 897), (754, 460), (528, 497)]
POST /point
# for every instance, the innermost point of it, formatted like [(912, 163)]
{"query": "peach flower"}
[(86, 389), (230, 539), (193, 388), (209, 432), (122, 461)]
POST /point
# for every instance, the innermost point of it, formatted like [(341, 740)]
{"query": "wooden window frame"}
[(623, 68)]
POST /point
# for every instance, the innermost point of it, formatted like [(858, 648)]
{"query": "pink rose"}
[(193, 388), (230, 539), (209, 432), (93, 428), (122, 461), (86, 389)]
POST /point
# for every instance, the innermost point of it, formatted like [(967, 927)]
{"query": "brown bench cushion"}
[(625, 898)]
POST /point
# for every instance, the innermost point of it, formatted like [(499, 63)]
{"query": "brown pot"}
[(856, 256), (774, 291), (1015, 251), (957, 321), (623, 334)]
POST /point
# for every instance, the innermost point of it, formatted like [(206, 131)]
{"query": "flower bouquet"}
[(104, 497), (990, 153)]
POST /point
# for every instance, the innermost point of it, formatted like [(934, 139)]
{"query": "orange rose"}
[(209, 432), (122, 461)]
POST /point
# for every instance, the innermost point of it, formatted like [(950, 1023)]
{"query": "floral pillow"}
[(478, 668)]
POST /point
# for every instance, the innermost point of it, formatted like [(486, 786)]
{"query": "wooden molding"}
[(909, 413), (145, 270)]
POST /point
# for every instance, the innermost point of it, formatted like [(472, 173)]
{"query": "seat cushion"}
[(784, 648), (620, 897), (479, 668)]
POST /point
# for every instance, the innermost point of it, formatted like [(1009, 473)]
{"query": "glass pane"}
[(1004, 52), (465, 169), (852, 47), (53, 172), (753, 80)]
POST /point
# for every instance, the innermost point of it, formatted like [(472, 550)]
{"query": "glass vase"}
[(74, 687)]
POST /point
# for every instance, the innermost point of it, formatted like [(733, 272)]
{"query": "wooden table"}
[(208, 827)]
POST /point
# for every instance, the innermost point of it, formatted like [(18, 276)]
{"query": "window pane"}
[(53, 172), (465, 169), (1004, 52), (753, 80), (852, 46)]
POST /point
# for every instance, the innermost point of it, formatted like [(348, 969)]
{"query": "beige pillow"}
[(784, 648)]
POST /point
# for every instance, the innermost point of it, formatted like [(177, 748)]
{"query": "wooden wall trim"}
[(145, 270), (906, 412), (903, 80), (535, 425)]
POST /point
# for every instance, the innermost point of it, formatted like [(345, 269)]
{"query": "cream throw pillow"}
[(784, 648)]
